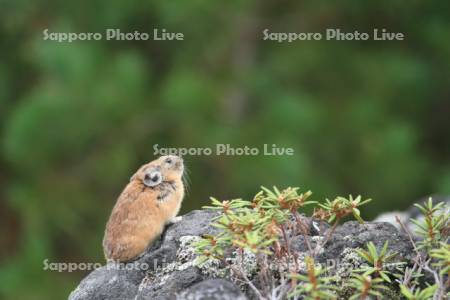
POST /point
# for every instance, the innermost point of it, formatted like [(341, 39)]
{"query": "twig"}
[(440, 292), (286, 241), (263, 273), (326, 239), (418, 260), (247, 281), (280, 291), (303, 227), (408, 233)]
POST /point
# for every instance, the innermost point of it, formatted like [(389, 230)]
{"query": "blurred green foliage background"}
[(77, 119)]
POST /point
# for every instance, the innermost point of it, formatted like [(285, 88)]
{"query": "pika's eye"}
[(168, 160)]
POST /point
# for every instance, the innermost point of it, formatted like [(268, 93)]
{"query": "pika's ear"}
[(141, 169), (152, 177)]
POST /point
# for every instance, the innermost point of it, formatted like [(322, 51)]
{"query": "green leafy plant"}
[(252, 225), (334, 211), (264, 226), (376, 260), (435, 226), (315, 285), (418, 294), (442, 255), (341, 207), (432, 252), (366, 286)]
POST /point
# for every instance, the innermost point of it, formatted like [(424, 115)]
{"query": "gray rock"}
[(355, 235), (172, 274), (196, 222), (298, 243), (212, 289), (170, 286), (123, 284), (156, 257), (108, 284)]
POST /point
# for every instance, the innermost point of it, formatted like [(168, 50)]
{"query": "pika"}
[(151, 200)]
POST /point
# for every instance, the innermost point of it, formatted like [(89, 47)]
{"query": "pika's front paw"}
[(176, 219)]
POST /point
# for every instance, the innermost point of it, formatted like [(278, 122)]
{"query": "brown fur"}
[(140, 213)]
